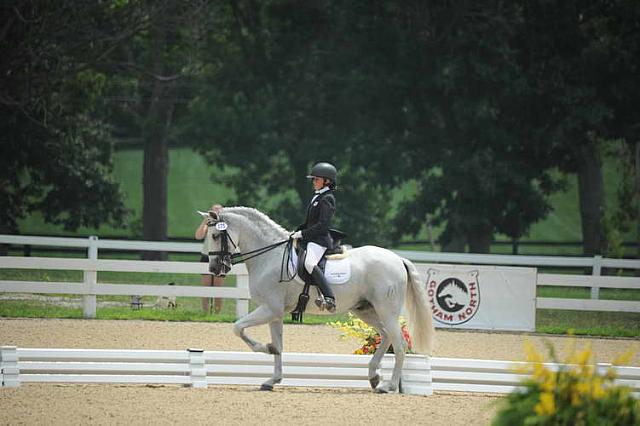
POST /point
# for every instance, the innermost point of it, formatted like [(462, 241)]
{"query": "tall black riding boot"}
[(321, 282)]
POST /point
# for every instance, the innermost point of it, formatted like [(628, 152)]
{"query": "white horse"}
[(381, 283)]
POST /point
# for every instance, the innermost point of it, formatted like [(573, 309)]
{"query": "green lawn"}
[(190, 308), (609, 324), (191, 187)]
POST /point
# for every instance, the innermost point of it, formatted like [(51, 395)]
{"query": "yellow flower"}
[(532, 354), (548, 380), (583, 358), (583, 388), (547, 404), (624, 358), (575, 397), (597, 390)]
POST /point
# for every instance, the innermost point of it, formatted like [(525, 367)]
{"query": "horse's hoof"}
[(385, 388), (271, 349), (266, 387), (381, 389), (374, 381)]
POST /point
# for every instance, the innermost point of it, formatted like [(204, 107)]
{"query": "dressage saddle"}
[(336, 248)]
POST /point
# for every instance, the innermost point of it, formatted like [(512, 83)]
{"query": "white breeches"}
[(314, 254)]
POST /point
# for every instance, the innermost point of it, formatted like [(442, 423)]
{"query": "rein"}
[(240, 257), (254, 253), (243, 257)]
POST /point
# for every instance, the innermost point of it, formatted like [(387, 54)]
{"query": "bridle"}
[(228, 258), (224, 252)]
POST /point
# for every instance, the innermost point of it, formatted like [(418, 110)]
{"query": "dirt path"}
[(111, 404)]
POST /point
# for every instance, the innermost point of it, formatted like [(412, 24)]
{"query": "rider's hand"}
[(296, 235)]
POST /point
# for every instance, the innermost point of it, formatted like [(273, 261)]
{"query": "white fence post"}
[(197, 368), (242, 305), (597, 268), (89, 303), (9, 371)]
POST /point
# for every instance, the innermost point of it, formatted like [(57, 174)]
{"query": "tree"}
[(56, 154), (273, 102), (392, 92), (150, 86), (458, 116), (616, 37), (580, 57)]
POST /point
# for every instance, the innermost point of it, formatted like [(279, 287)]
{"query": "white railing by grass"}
[(421, 375), (595, 281), (90, 287)]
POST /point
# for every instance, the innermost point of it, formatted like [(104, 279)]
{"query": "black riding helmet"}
[(324, 170)]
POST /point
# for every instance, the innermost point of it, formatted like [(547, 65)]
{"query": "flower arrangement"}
[(366, 335), (575, 394)]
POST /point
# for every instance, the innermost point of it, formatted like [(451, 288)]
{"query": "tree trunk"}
[(457, 244), (591, 193), (480, 239), (155, 177), (156, 152), (453, 239), (637, 198)]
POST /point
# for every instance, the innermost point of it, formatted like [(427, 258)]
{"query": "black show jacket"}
[(319, 213)]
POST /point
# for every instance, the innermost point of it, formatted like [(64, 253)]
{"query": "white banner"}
[(481, 297)]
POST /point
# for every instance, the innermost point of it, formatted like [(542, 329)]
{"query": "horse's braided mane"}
[(264, 222)]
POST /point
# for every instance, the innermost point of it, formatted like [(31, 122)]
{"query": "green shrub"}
[(577, 394)]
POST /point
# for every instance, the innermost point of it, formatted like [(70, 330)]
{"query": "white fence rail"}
[(90, 287), (421, 375), (595, 281)]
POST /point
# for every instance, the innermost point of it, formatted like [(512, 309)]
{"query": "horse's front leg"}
[(276, 341), (261, 315)]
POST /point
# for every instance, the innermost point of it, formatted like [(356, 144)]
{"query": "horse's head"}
[(221, 242)]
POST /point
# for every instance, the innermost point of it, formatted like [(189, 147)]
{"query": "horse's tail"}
[(419, 310)]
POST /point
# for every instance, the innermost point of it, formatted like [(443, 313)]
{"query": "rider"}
[(315, 230)]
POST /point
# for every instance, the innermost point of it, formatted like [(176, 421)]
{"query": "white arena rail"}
[(595, 281), (90, 286), (197, 368)]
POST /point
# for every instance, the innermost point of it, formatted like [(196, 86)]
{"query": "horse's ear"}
[(203, 214), (214, 215)]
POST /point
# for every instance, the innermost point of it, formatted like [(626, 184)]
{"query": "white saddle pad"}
[(336, 271)]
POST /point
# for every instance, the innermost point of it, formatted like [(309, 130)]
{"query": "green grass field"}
[(611, 324), (191, 188)]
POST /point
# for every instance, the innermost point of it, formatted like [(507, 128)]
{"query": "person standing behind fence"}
[(209, 279)]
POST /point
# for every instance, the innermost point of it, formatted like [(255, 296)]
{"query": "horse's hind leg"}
[(276, 341), (394, 333), (261, 315), (370, 317)]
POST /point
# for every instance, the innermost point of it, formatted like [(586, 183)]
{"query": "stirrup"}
[(330, 304), (326, 303)]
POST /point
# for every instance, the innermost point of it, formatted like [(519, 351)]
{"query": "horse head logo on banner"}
[(454, 295)]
